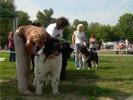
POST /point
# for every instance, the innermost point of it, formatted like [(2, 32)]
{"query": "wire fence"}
[(115, 52), (102, 52)]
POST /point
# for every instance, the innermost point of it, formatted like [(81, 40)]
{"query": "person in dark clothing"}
[(66, 52)]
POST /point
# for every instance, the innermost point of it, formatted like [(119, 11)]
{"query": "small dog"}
[(88, 57)]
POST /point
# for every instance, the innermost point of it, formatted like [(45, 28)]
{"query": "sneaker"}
[(78, 68), (25, 92)]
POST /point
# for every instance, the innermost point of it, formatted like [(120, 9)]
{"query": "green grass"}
[(112, 81)]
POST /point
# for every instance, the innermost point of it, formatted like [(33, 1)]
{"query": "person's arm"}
[(29, 46), (9, 37), (73, 39), (84, 38), (90, 40)]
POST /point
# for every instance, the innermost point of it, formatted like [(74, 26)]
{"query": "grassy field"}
[(112, 81)]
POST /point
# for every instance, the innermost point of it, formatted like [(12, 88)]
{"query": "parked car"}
[(108, 45)]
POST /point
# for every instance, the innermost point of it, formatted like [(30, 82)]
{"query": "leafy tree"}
[(76, 22), (68, 31), (94, 28), (23, 18), (45, 17), (102, 32), (6, 24), (125, 26), (7, 4), (107, 33), (115, 33)]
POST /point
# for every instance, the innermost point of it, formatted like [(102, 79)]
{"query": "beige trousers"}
[(22, 63)]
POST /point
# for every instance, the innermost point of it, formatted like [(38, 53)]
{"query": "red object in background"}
[(121, 46)]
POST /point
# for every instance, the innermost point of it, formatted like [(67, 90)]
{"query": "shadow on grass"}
[(77, 74), (107, 68), (93, 91), (80, 83), (83, 83), (105, 61), (8, 90)]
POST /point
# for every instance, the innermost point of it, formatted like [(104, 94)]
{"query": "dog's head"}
[(83, 50), (86, 52), (52, 45)]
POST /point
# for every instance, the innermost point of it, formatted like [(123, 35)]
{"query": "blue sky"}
[(102, 11)]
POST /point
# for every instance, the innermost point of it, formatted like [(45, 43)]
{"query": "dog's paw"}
[(38, 93), (57, 94)]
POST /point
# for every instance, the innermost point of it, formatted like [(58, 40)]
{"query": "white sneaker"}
[(78, 68)]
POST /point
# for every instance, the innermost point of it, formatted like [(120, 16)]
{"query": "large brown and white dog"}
[(48, 65)]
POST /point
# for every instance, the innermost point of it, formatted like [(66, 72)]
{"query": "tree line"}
[(122, 30)]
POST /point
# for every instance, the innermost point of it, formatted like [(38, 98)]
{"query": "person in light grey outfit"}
[(25, 38), (78, 38)]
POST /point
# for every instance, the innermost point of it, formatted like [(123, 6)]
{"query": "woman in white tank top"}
[(78, 39)]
